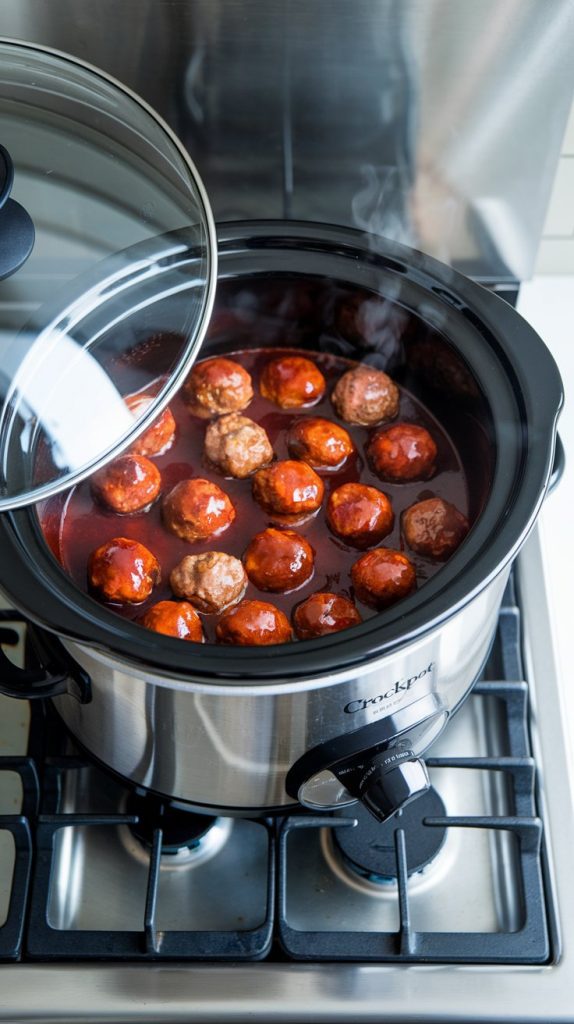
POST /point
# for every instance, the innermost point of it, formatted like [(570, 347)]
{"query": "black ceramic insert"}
[(470, 343)]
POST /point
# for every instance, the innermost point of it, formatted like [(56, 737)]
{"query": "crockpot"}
[(346, 716)]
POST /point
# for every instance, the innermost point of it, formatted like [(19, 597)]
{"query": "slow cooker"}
[(328, 721)]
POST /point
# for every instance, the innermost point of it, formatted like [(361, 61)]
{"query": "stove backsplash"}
[(437, 124)]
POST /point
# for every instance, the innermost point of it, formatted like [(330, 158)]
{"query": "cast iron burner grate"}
[(48, 772), (45, 942), (181, 829)]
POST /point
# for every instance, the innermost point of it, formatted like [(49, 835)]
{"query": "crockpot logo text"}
[(401, 686)]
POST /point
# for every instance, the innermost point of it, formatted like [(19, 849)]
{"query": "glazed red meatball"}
[(288, 488), (279, 560), (253, 623), (128, 484), (320, 443), (365, 396), (382, 577), (402, 452), (434, 528), (237, 445), (123, 571), (217, 386), (324, 613), (197, 509), (212, 581), (174, 618), (291, 382), (359, 514), (158, 438)]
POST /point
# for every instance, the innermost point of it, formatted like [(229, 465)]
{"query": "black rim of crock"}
[(40, 588)]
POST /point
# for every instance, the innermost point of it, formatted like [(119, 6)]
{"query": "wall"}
[(556, 252)]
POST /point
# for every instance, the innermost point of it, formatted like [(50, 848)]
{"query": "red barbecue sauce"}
[(75, 524)]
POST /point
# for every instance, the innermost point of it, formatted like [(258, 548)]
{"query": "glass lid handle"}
[(16, 228)]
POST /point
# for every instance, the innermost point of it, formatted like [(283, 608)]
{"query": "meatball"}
[(279, 560), (383, 576), (291, 382), (359, 514), (288, 488), (320, 443), (370, 321), (324, 613), (158, 438), (217, 386), (253, 623), (402, 452), (365, 396), (434, 528), (211, 581), (128, 484), (174, 618), (237, 445), (123, 570), (197, 509)]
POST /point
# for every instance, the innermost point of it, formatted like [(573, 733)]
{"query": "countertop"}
[(547, 303)]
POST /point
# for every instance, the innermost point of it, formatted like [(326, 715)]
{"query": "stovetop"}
[(301, 906)]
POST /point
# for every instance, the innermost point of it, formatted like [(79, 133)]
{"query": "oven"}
[(119, 905)]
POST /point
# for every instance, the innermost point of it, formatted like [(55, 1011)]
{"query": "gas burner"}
[(182, 829), (368, 849)]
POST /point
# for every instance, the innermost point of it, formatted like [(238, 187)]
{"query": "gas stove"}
[(115, 908), (117, 905)]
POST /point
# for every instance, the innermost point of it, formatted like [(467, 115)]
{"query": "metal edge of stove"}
[(388, 994)]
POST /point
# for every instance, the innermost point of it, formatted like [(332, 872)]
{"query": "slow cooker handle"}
[(17, 234), (57, 672), (558, 465)]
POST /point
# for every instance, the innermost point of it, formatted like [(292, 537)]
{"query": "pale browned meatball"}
[(217, 386), (434, 528), (359, 514), (320, 443), (237, 445), (123, 571), (197, 509), (292, 382), (174, 618), (324, 613), (158, 438), (402, 452), (365, 396), (128, 484), (253, 623), (382, 577), (212, 581), (279, 560), (288, 488)]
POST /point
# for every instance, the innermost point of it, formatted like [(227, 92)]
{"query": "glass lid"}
[(107, 270)]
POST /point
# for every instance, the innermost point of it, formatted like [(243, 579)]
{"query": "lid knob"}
[(16, 228), (391, 780)]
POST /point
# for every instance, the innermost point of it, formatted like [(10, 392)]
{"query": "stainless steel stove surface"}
[(115, 906)]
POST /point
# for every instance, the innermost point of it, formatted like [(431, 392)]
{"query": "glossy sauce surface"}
[(75, 523)]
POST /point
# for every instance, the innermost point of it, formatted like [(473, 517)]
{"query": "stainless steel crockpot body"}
[(344, 716)]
